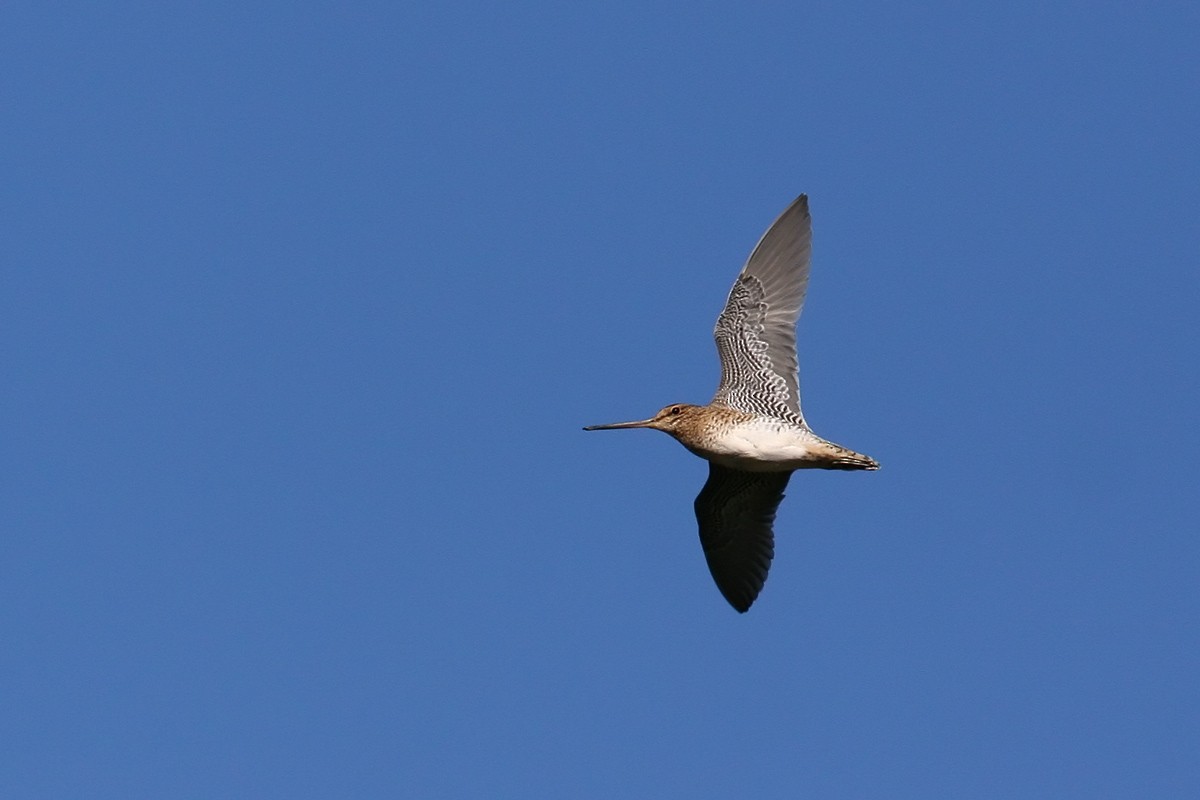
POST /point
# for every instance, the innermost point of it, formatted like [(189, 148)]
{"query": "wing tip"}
[(739, 607), (742, 595)]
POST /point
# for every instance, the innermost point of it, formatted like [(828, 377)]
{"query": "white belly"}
[(763, 446)]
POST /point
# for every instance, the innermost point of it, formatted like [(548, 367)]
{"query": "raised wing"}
[(756, 333), (736, 510)]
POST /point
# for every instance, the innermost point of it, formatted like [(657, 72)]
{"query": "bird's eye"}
[(676, 409)]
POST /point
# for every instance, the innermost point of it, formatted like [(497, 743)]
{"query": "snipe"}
[(752, 433)]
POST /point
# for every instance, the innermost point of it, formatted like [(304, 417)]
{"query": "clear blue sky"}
[(303, 306)]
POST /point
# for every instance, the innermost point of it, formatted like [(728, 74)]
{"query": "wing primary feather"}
[(756, 331), (736, 511)]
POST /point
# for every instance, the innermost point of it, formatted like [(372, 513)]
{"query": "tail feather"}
[(850, 460)]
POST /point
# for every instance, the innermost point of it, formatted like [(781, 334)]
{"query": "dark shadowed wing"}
[(735, 510), (756, 333)]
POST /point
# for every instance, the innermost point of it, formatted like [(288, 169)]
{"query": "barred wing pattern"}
[(756, 333), (736, 510)]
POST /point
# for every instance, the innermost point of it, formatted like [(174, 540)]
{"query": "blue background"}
[(303, 306)]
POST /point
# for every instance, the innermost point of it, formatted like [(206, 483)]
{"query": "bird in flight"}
[(753, 434)]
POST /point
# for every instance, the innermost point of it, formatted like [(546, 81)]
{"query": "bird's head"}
[(670, 420)]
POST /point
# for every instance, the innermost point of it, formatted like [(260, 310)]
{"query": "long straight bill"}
[(612, 426)]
